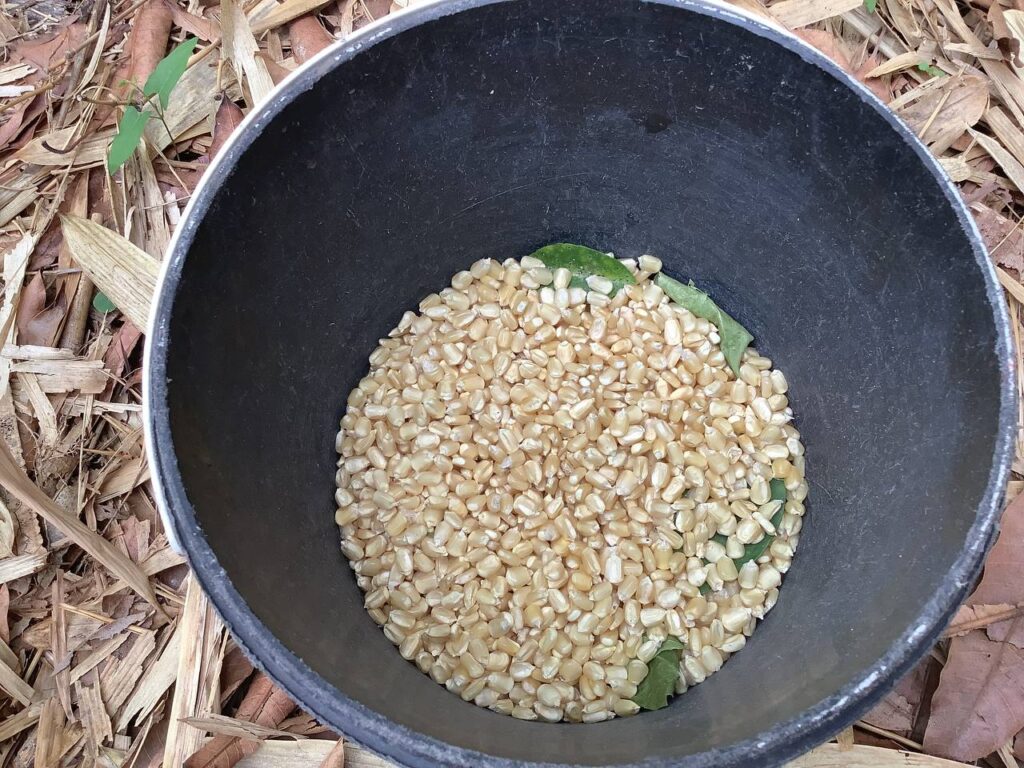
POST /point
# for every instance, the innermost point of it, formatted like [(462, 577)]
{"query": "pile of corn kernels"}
[(531, 475)]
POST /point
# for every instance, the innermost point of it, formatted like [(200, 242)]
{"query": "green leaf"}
[(734, 337), (754, 551), (584, 262), (101, 303), (931, 70), (662, 674), (129, 133), (169, 70), (870, 5)]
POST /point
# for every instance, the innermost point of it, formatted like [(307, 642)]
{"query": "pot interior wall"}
[(630, 127)]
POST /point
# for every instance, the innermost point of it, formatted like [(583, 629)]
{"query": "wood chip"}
[(15, 686), (1010, 165), (20, 722), (14, 479), (154, 684), (197, 677), (118, 679), (93, 714), (240, 47), (18, 566)]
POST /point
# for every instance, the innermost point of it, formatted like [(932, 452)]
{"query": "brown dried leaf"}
[(199, 26), (235, 670), (971, 617), (278, 72), (347, 17), (979, 703), (148, 42), (1003, 237), (308, 37), (229, 116), (38, 324), (264, 704), (899, 709), (1009, 46), (943, 112), (14, 479), (115, 359), (48, 50), (1001, 582)]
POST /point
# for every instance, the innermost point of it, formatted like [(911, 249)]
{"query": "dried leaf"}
[(115, 360), (1001, 581), (37, 323), (148, 40), (979, 703), (14, 479), (970, 617), (1014, 21), (14, 685), (222, 725), (943, 112), (263, 704), (1009, 46), (1010, 165), (1003, 237), (122, 271), (308, 38), (93, 715), (229, 116), (899, 709), (236, 670)]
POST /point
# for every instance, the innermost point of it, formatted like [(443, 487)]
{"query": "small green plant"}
[(136, 115), (930, 69), (101, 303), (870, 5)]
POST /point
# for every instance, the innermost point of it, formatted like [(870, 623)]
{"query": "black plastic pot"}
[(745, 160)]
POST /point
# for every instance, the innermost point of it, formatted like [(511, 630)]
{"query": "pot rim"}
[(781, 742)]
